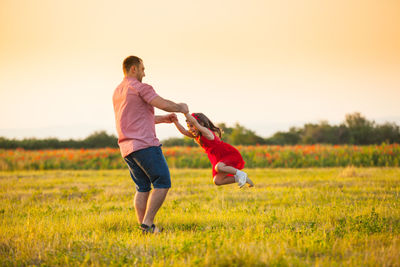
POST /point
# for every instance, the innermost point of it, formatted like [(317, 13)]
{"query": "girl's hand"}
[(170, 118)]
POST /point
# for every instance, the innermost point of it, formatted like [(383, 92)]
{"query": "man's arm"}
[(168, 105)]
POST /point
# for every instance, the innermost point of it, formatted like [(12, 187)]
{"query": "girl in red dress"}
[(225, 159)]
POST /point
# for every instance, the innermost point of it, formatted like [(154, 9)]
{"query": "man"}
[(134, 104)]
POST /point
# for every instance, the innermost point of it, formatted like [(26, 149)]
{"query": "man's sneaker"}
[(150, 229), (241, 178), (156, 229)]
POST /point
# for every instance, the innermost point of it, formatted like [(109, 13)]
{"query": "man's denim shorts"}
[(148, 166)]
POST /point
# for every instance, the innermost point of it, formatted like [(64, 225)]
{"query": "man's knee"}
[(161, 189)]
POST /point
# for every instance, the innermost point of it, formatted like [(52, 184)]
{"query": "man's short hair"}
[(129, 62)]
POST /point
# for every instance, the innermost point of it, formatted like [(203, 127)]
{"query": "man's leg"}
[(157, 198), (141, 204), (143, 186), (154, 165)]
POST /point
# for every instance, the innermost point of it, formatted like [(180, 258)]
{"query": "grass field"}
[(293, 217)]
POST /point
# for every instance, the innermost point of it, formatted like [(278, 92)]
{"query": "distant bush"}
[(355, 130), (96, 140), (174, 141)]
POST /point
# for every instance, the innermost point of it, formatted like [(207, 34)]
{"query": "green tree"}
[(100, 139), (175, 141), (242, 136), (285, 138), (321, 133), (360, 129), (388, 133)]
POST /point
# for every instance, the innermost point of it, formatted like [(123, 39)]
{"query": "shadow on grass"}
[(194, 227)]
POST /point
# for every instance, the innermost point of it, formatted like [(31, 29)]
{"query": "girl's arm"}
[(204, 131), (182, 129), (165, 118)]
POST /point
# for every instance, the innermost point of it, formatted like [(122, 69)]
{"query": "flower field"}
[(300, 156)]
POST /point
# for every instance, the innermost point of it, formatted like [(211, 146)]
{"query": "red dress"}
[(219, 151)]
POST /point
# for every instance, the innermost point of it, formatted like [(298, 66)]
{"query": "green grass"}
[(294, 217)]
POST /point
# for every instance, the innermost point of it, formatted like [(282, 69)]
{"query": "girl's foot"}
[(250, 182), (241, 178)]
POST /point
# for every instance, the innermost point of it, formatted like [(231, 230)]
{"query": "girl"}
[(225, 159)]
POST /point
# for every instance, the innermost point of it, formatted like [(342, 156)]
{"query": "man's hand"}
[(184, 108)]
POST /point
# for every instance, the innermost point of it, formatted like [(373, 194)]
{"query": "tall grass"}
[(300, 217)]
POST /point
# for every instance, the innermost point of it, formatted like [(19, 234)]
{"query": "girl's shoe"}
[(240, 178)]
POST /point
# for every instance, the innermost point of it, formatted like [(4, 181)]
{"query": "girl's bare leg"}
[(223, 178), (222, 167)]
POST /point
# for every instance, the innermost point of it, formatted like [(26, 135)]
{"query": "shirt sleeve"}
[(147, 93)]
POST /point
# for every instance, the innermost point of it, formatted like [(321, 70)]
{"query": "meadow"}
[(293, 217)]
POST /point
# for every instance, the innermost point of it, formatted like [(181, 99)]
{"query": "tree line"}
[(356, 129), (96, 140)]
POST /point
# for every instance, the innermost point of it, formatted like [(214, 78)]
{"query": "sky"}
[(266, 65)]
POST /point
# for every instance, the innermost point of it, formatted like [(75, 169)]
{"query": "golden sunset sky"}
[(265, 64)]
